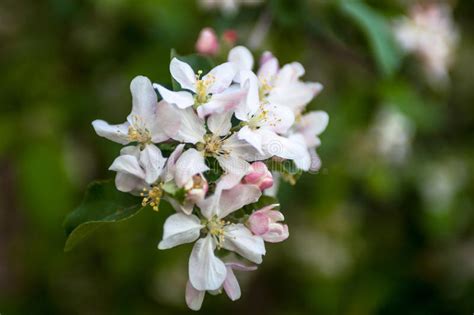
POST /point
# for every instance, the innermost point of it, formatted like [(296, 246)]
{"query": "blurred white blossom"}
[(430, 33)]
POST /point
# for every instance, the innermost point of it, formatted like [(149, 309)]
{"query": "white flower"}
[(149, 121), (210, 91), (206, 271), (138, 171), (429, 32), (281, 87), (231, 153), (194, 297), (185, 171)]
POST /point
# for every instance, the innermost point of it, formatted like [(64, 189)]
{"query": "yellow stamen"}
[(152, 197)]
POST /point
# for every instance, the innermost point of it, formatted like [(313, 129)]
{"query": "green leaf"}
[(197, 62), (377, 30), (102, 204)]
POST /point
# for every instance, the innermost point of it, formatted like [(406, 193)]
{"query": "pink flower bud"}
[(230, 37), (207, 42), (196, 189), (259, 175), (264, 223)]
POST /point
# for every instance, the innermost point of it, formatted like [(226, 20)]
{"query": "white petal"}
[(312, 125), (131, 150), (237, 197), (278, 119), (194, 297), (289, 73), (152, 161), (237, 265), (242, 149), (233, 164), (252, 137), (239, 239), (115, 133), (144, 97), (250, 104), (206, 271), (170, 168), (222, 76), (165, 122), (191, 128), (209, 206), (182, 99), (128, 183), (127, 164), (269, 68), (190, 163), (183, 74), (292, 148), (242, 57), (231, 285), (294, 95), (220, 124), (180, 229), (222, 102)]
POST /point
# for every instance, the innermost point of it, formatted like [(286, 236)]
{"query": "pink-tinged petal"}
[(228, 181), (180, 229), (206, 271), (292, 148), (251, 102), (181, 99), (242, 57), (207, 43), (144, 97), (231, 285), (183, 74), (237, 265), (170, 168), (194, 297), (259, 223), (209, 206), (259, 175), (239, 239), (237, 197), (191, 128), (312, 125), (115, 133), (268, 67), (289, 73), (251, 137), (127, 164), (220, 124), (276, 233), (190, 163), (222, 102), (129, 183), (221, 77), (165, 122), (153, 162), (315, 161)]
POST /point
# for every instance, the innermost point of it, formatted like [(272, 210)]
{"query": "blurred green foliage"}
[(369, 234)]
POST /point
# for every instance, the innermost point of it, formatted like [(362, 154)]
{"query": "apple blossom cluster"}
[(430, 33), (208, 148)]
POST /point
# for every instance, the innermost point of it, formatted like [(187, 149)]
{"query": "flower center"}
[(264, 88), (202, 85), (215, 227), (212, 145), (137, 132), (152, 196)]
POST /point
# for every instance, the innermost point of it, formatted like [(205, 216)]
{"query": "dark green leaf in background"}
[(378, 33), (102, 204)]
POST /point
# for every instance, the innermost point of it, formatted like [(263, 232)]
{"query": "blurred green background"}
[(386, 227)]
